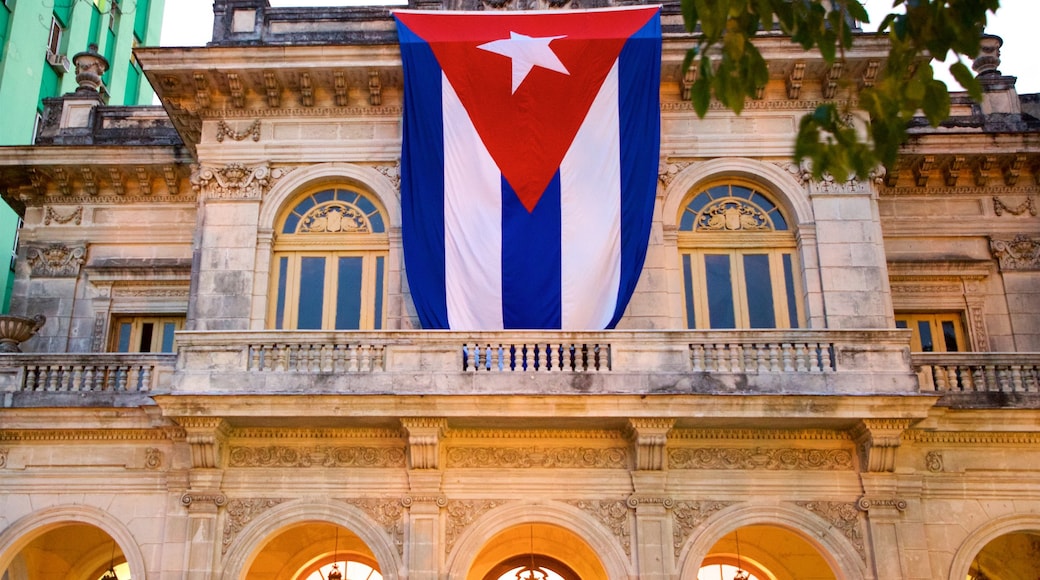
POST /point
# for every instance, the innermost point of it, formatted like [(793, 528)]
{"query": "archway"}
[(764, 553), (68, 551), (309, 550), (1012, 556), (553, 552)]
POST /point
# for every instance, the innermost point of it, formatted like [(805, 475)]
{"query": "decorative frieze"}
[(1021, 253), (973, 437), (389, 513), (614, 515), (225, 130), (313, 433), (50, 215), (462, 513), (527, 457), (239, 513), (343, 456), (56, 260), (999, 207), (762, 434), (783, 459), (688, 515), (234, 180), (843, 516)]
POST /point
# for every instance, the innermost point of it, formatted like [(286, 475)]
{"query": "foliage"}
[(731, 69)]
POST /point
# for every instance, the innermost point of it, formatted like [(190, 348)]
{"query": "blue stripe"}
[(422, 180), (531, 260), (639, 68)]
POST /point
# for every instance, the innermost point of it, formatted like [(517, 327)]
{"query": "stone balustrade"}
[(1003, 378), (79, 378)]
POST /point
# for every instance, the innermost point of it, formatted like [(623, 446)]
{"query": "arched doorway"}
[(1012, 556), (536, 551), (69, 551), (764, 552), (310, 551)]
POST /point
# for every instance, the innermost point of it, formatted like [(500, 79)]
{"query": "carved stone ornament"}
[(526, 457), (3, 457), (49, 215), (865, 503), (933, 461), (461, 514), (1021, 253), (688, 515), (205, 436), (56, 260), (389, 513), (845, 517), (281, 456), (666, 171), (649, 437), (234, 180), (204, 499), (153, 458), (878, 441), (999, 207), (785, 459), (225, 130), (239, 513), (391, 172), (733, 215), (615, 515), (424, 437)]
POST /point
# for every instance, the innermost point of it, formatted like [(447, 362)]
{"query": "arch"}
[(602, 542), (781, 184), (253, 535), (836, 550), (365, 178), (985, 534), (23, 531)]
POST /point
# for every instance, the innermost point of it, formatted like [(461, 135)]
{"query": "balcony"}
[(768, 362)]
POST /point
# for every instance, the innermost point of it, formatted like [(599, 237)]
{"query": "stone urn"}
[(15, 330)]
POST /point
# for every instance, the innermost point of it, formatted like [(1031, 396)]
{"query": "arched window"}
[(738, 261), (329, 263)]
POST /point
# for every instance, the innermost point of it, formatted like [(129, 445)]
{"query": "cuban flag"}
[(529, 164)]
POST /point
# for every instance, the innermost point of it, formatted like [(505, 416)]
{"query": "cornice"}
[(606, 435), (323, 112), (83, 434), (972, 437), (761, 434), (309, 433)]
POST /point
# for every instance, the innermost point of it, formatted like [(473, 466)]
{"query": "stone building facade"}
[(857, 399)]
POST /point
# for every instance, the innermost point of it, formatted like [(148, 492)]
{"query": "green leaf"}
[(967, 80)]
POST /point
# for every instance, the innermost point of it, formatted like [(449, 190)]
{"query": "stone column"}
[(898, 538), (653, 534), (423, 549), (206, 437)]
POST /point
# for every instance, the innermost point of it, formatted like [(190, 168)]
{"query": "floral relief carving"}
[(759, 458), (1021, 253), (688, 515), (389, 513), (391, 172), (49, 215), (666, 172), (999, 207), (225, 130), (280, 456), (844, 516), (461, 514), (240, 512), (234, 180), (615, 515), (526, 457), (56, 260)]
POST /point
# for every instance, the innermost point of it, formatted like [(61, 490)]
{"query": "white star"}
[(526, 52)]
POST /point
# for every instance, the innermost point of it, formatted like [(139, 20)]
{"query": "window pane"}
[(792, 304), (924, 328), (146, 337), (167, 336), (691, 318), (348, 294), (720, 291), (380, 267), (279, 315), (901, 324), (950, 336), (312, 293), (759, 291), (124, 337)]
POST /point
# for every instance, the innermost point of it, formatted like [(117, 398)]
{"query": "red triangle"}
[(527, 132)]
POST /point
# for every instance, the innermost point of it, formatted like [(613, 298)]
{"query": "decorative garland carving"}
[(615, 515), (688, 515), (281, 456), (758, 458), (461, 514), (56, 260), (842, 515), (389, 513), (933, 461), (1021, 253), (526, 457), (153, 458), (235, 180), (240, 512), (225, 130), (999, 207), (49, 215)]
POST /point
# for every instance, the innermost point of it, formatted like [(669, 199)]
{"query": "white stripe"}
[(472, 222), (590, 182)]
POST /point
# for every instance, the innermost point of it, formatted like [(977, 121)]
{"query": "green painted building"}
[(38, 39)]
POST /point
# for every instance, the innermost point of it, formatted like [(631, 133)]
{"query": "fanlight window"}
[(329, 264), (738, 261)]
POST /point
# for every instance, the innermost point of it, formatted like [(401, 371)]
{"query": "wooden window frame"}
[(137, 322), (935, 320)]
